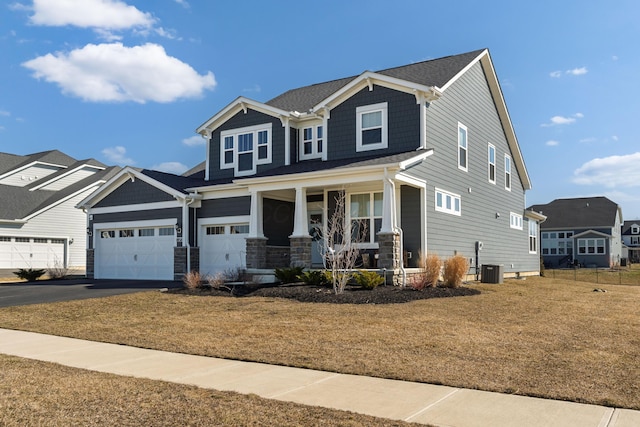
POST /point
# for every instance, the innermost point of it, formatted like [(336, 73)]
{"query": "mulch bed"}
[(351, 294)]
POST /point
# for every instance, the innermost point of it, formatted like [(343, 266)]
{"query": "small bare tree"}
[(339, 244)]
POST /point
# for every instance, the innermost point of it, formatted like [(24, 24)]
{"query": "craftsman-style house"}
[(425, 155)]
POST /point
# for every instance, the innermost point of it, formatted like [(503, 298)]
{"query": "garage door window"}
[(36, 240), (126, 233), (216, 229), (22, 240), (5, 239), (57, 241), (107, 234), (166, 231), (239, 229), (146, 232)]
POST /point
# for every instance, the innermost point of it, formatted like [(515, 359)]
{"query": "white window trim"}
[(234, 133), (507, 172), (597, 241), (466, 148), (515, 220), (315, 153), (383, 107), (534, 236), (444, 208), (371, 244), (490, 163)]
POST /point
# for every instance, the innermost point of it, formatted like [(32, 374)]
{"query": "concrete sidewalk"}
[(401, 400)]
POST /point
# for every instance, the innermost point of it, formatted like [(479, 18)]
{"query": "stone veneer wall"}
[(257, 252), (90, 267), (278, 256), (300, 251)]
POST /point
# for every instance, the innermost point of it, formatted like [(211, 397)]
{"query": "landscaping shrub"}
[(430, 269), (29, 274), (192, 280), (368, 279), (455, 269), (58, 271), (288, 274), (315, 278)]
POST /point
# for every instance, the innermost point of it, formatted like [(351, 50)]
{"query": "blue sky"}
[(128, 82)]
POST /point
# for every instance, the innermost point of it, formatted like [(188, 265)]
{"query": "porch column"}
[(256, 242), (388, 239), (300, 240), (388, 207)]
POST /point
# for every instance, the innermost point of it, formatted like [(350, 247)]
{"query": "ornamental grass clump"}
[(455, 270), (192, 280), (430, 270)]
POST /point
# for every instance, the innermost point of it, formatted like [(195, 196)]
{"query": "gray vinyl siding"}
[(469, 102), (410, 222), (233, 206), (403, 116), (278, 221), (135, 192), (241, 120), (136, 216)]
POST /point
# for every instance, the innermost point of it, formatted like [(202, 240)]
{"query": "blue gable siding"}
[(485, 207), (403, 123), (133, 193)]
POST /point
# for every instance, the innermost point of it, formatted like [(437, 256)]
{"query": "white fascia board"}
[(597, 233), (12, 221), (416, 159), (137, 207), (23, 167), (239, 104), (119, 179), (369, 78), (537, 216), (67, 173), (135, 224), (64, 199)]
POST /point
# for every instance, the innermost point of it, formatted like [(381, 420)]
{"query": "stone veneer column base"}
[(389, 255), (90, 265), (179, 262), (300, 251), (256, 252)]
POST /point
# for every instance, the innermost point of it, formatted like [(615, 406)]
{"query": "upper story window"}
[(243, 149), (533, 237), (635, 229), (491, 160), (371, 132), (515, 221), (448, 202), (507, 172), (311, 142), (462, 147)]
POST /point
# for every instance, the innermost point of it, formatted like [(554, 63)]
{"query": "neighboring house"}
[(631, 240), (39, 224), (584, 231), (425, 155)]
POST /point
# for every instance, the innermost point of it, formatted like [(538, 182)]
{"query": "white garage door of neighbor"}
[(135, 253), (223, 247), (31, 252)]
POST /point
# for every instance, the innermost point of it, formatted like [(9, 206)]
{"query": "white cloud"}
[(183, 3), (552, 143), (170, 167), (116, 73), (556, 74), (614, 137), (117, 155), (4, 113), (577, 71), (561, 120), (194, 141), (104, 14), (611, 172), (614, 58), (588, 140), (256, 88)]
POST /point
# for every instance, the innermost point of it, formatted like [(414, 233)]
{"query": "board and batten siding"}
[(486, 207), (134, 192)]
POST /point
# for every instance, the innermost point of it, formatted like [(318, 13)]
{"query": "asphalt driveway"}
[(47, 291)]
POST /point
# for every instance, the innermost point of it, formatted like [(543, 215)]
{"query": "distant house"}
[(39, 224), (583, 230), (425, 155), (631, 240)]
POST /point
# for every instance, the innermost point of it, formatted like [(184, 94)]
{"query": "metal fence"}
[(610, 276)]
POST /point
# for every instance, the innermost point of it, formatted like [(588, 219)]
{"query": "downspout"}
[(397, 229), (185, 231)]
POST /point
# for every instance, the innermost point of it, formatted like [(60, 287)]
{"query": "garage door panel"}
[(30, 252), (220, 250)]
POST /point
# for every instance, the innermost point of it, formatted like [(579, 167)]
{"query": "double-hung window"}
[(311, 143), (365, 212), (507, 172), (515, 220), (491, 160), (533, 237), (463, 147), (371, 127), (591, 246), (243, 149), (448, 202)]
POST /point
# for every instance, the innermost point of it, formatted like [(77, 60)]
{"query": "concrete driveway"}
[(47, 291)]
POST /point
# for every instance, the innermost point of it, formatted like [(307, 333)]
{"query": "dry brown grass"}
[(539, 337), (36, 393), (430, 266), (455, 270)]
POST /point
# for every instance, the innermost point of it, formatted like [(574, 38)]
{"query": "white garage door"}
[(144, 253), (223, 248), (31, 252)]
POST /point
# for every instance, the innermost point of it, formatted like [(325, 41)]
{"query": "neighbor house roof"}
[(586, 212)]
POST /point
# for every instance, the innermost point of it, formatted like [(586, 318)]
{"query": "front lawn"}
[(539, 337)]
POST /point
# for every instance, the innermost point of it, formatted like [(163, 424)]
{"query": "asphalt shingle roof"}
[(586, 212), (435, 72)]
